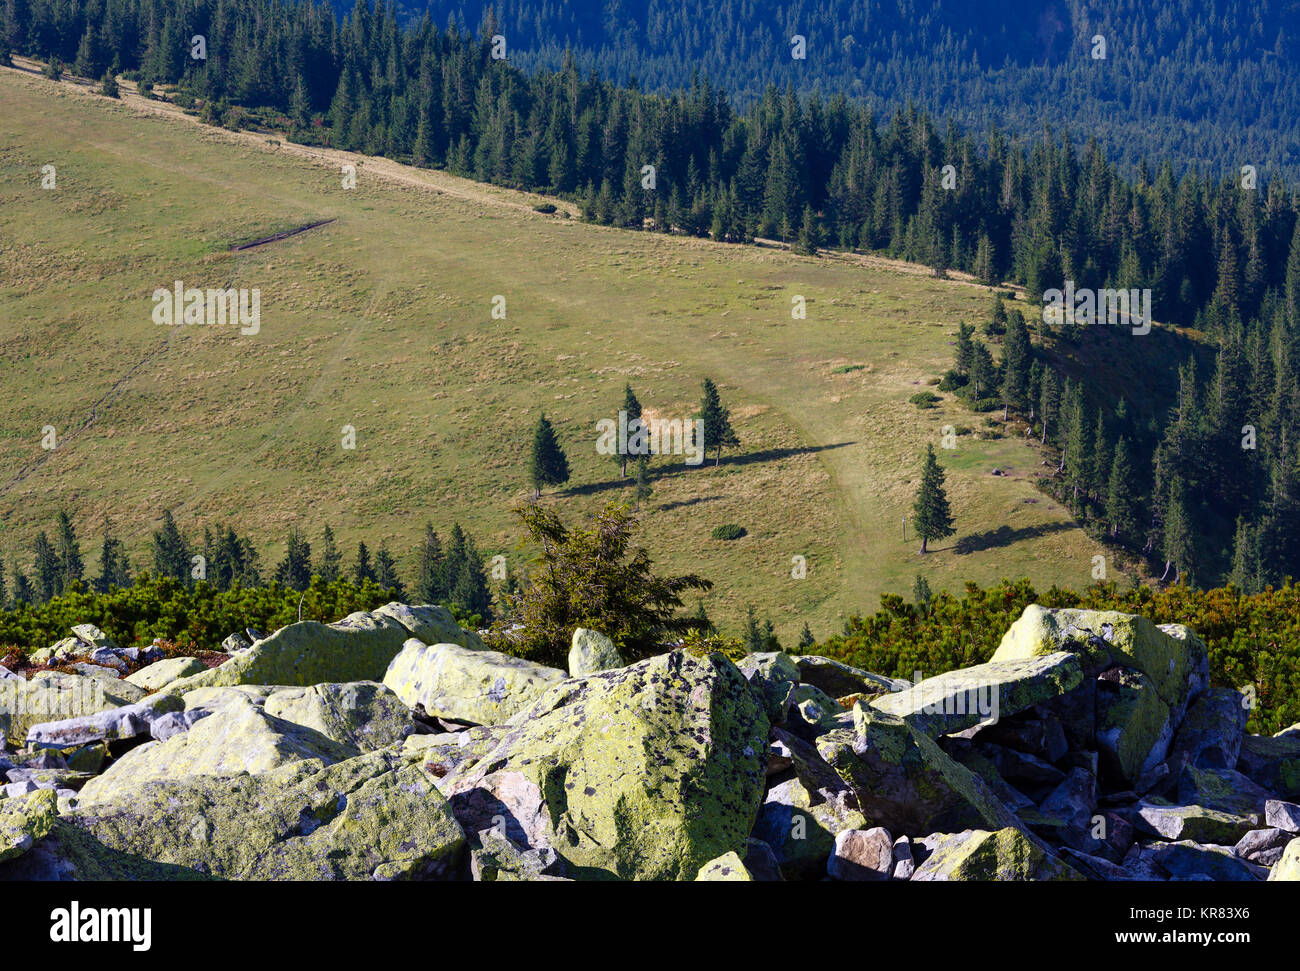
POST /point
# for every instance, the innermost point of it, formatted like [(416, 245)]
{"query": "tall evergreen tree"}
[(171, 551), (931, 516), (362, 570), (717, 422), (429, 586), (632, 409), (1122, 495), (71, 566), (294, 571), (114, 569), (548, 464), (330, 566), (386, 572), (47, 569)]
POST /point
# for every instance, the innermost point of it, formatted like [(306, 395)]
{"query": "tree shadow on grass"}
[(1005, 536), (678, 467)]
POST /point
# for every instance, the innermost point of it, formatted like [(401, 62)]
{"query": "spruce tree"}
[(171, 551), (1122, 499), (643, 487), (965, 349), (362, 569), (931, 516), (108, 86), (1017, 358), (548, 464), (632, 408), (806, 639), (4, 593), (114, 570), (294, 571), (23, 591), (48, 570), (429, 587), (717, 422), (386, 572), (330, 567), (71, 566)]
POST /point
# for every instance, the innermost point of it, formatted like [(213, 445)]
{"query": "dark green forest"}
[(1193, 465), (1206, 83)]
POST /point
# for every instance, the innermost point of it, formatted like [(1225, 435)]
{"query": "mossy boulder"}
[(1211, 732), (728, 868), (363, 715), (375, 816), (646, 772), (592, 651), (1171, 655), (158, 675), (469, 686), (774, 676), (25, 820), (958, 700), (904, 782), (1134, 728), (431, 623), (1003, 855), (1222, 789)]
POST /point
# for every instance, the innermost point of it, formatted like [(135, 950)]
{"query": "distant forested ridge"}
[(1211, 83), (1221, 255)]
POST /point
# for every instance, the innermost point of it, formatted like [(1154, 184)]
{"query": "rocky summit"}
[(394, 745)]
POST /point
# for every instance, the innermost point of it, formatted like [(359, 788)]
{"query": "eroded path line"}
[(284, 235)]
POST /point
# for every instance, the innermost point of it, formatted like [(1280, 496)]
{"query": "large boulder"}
[(359, 647), (1288, 868), (728, 868), (25, 820), (1270, 761), (1003, 855), (904, 782), (1211, 732), (158, 675), (838, 679), (242, 734), (113, 724), (592, 651), (375, 816), (1195, 823), (958, 700), (52, 696), (1188, 860), (645, 772), (774, 676), (476, 687), (1223, 790), (1173, 657), (1134, 728)]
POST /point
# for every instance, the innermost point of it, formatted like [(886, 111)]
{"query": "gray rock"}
[(1282, 815), (14, 790), (760, 860), (7, 675), (904, 862), (862, 855), (838, 679), (1211, 732), (1196, 823), (234, 643), (1187, 860), (129, 721), (1259, 843), (1222, 789), (175, 722), (592, 651)]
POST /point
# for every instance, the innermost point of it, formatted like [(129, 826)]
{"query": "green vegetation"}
[(593, 577), (1254, 640), (728, 531)]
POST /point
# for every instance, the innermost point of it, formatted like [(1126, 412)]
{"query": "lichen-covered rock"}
[(1282, 815), (473, 687), (158, 675), (1134, 728), (52, 696), (359, 647), (431, 623), (238, 738), (443, 753), (1189, 860), (774, 676), (958, 700), (1196, 823), (1003, 855), (1288, 867), (371, 817), (592, 651), (114, 724), (1211, 732), (645, 772), (363, 715), (1222, 789), (904, 782), (838, 679), (494, 859), (728, 868), (1272, 762), (1173, 657), (812, 712), (24, 821)]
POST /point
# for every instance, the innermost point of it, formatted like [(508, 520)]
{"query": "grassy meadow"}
[(382, 320)]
